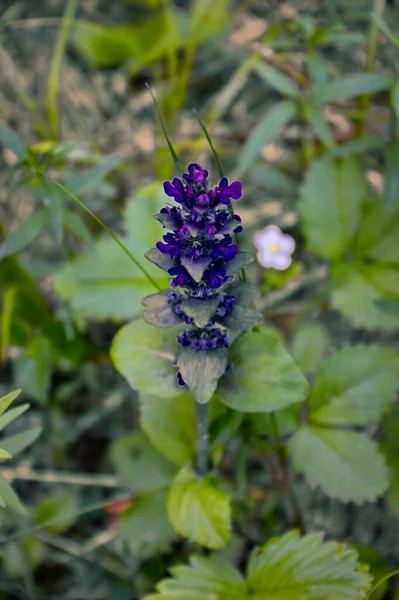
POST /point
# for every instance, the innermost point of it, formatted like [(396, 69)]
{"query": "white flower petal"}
[(281, 261), (286, 244)]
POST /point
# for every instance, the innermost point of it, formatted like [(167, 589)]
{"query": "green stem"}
[(202, 438), (114, 237)]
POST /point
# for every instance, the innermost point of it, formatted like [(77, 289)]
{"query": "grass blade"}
[(212, 147), (114, 237), (173, 154)]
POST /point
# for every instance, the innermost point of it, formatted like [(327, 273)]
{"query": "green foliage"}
[(345, 464), (12, 445), (105, 284), (308, 346), (170, 425), (265, 378), (199, 510), (354, 386), (286, 568), (331, 218), (145, 356), (269, 126)]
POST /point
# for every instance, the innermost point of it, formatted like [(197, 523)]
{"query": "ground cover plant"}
[(199, 267)]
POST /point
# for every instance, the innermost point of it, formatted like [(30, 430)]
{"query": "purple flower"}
[(201, 247), (274, 248), (223, 192), (196, 175)]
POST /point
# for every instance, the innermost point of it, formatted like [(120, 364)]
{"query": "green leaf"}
[(26, 233), (200, 309), (145, 355), (145, 526), (102, 282), (355, 295), (308, 346), (223, 427), (263, 377), (60, 509), (379, 232), (391, 183), (316, 120), (290, 567), (351, 86), (139, 464), (33, 368), (303, 568), (170, 425), (201, 371), (330, 205), (12, 414), (199, 511), (344, 464), (205, 579), (276, 79), (9, 498), (389, 307), (18, 442), (268, 127), (390, 447), (158, 312), (5, 401), (11, 140), (355, 386), (4, 455)]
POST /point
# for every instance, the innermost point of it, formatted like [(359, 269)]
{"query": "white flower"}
[(274, 248)]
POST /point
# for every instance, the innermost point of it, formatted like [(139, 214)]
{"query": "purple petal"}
[(235, 190)]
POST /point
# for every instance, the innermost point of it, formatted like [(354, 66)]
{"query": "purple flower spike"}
[(274, 248)]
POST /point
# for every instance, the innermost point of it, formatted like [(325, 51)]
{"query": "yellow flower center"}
[(273, 248)]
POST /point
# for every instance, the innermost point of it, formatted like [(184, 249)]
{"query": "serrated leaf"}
[(355, 386), (205, 579), (140, 464), (389, 307), (390, 447), (5, 401), (290, 567), (246, 294), (275, 119), (199, 511), (330, 205), (351, 86), (161, 260), (201, 370), (379, 232), (144, 355), (345, 464), (26, 233), (158, 312), (263, 376), (145, 526), (170, 425), (355, 295), (304, 568), (308, 346), (276, 79), (103, 282)]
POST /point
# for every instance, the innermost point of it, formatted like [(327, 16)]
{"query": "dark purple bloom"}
[(215, 276), (196, 175), (223, 192), (225, 249), (180, 380), (182, 277), (175, 189)]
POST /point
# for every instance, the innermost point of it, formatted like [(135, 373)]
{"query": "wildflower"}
[(274, 248), (199, 254)]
